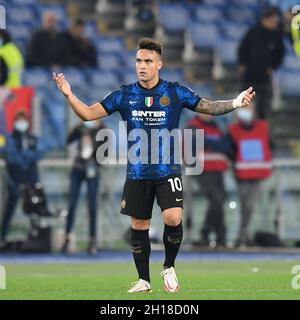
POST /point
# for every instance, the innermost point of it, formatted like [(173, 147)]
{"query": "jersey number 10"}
[(175, 184)]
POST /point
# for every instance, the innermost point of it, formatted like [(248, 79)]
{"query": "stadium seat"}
[(244, 2), (109, 44), (76, 76), (206, 14), (288, 46), (21, 44), (20, 31), (54, 116), (172, 74), (289, 83), (104, 78), (219, 3), (37, 77), (90, 29), (227, 51), (20, 14), (129, 76), (129, 58), (173, 17), (110, 61), (241, 14), (23, 2), (204, 35), (233, 30), (291, 62)]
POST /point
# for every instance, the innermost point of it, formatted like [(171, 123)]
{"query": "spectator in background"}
[(21, 154), (260, 52), (292, 29), (43, 49), (11, 62), (86, 169), (76, 49), (211, 181), (252, 157)]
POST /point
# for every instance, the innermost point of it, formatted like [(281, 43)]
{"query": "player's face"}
[(148, 63)]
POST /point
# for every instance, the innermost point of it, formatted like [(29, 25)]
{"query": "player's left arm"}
[(224, 106)]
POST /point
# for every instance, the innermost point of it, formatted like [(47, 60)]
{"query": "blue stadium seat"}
[(241, 14), (110, 61), (20, 31), (76, 76), (129, 76), (172, 74), (206, 14), (219, 3), (233, 30), (291, 62), (129, 58), (21, 44), (204, 35), (173, 17), (288, 46), (109, 44), (227, 51), (103, 78), (91, 29), (20, 14), (23, 2), (244, 2), (289, 82), (37, 77), (54, 116)]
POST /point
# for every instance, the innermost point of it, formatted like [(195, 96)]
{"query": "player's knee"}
[(139, 224), (172, 217)]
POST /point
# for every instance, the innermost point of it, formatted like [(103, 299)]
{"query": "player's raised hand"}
[(62, 84), (244, 98)]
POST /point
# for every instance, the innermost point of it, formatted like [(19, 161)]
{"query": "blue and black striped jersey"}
[(157, 108)]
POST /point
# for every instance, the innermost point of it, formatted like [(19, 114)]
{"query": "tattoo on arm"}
[(214, 108)]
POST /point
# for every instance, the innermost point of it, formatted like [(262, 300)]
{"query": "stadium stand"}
[(200, 43)]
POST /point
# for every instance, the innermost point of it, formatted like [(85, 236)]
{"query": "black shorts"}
[(138, 195)]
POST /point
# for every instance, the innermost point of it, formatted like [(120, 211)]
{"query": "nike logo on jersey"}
[(178, 199), (132, 102)]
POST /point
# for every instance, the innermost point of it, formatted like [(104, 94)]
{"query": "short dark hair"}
[(150, 44), (21, 113), (78, 22), (270, 12)]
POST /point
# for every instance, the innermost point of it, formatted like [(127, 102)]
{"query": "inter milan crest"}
[(148, 101), (164, 101)]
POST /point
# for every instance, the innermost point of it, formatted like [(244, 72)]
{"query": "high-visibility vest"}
[(253, 159), (14, 61), (213, 161), (295, 32)]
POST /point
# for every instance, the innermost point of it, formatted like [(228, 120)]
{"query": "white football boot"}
[(140, 286), (170, 280)]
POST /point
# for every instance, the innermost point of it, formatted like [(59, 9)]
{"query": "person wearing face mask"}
[(211, 181), (21, 154), (86, 169), (252, 164), (11, 62)]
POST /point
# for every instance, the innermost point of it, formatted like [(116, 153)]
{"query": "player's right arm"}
[(85, 112)]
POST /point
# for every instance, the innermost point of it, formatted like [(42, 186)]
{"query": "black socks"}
[(140, 247), (172, 240)]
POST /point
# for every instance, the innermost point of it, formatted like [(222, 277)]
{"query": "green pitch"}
[(199, 280)]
